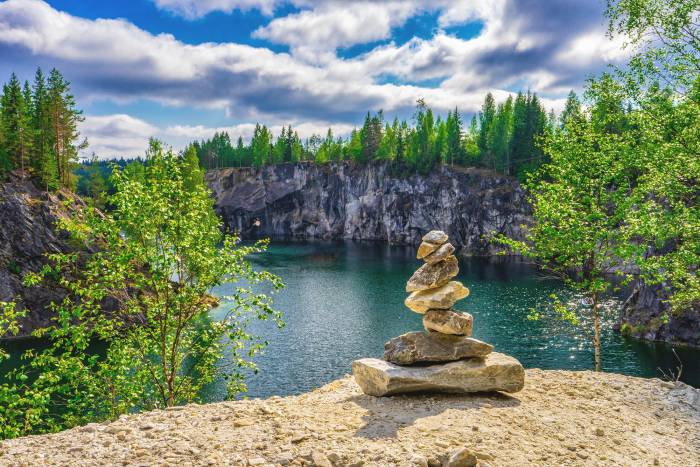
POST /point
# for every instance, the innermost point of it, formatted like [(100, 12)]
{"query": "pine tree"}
[(488, 111), (63, 119), (572, 109), (48, 172)]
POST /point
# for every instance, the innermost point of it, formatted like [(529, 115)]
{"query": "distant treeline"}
[(502, 137)]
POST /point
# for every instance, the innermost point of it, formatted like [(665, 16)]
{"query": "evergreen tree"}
[(97, 188), (192, 175), (499, 143), (48, 171), (572, 109), (488, 111), (455, 150), (63, 119)]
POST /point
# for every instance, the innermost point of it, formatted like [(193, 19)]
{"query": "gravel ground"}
[(561, 418)]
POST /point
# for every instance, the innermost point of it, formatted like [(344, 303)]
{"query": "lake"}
[(344, 300)]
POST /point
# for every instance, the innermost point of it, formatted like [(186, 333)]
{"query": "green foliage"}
[(162, 345), (13, 267), (582, 208)]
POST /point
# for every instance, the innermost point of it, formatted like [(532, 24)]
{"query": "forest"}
[(39, 135), (504, 137)]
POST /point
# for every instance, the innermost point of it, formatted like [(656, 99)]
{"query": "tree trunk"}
[(596, 342)]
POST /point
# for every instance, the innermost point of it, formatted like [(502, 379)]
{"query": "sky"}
[(180, 70)]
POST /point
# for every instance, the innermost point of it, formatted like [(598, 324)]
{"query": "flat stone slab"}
[(422, 347), (497, 372), (435, 236), (441, 298), (448, 322), (440, 254), (431, 276)]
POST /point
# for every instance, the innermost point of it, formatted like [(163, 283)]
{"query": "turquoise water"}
[(344, 301)]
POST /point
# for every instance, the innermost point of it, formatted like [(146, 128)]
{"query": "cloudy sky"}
[(183, 69)]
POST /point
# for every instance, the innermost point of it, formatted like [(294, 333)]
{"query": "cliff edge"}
[(363, 201)]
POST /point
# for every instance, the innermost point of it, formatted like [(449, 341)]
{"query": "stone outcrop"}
[(643, 317), (421, 347), (28, 222), (470, 365), (347, 200)]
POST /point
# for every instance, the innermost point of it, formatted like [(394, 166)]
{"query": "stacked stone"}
[(450, 360)]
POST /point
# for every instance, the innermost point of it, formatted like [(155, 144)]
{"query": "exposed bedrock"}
[(642, 317), (353, 201)]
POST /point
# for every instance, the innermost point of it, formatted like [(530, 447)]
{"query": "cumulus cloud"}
[(116, 135), (546, 45)]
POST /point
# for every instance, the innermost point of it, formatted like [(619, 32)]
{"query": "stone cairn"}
[(445, 358)]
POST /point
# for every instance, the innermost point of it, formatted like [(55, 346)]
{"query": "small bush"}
[(13, 267)]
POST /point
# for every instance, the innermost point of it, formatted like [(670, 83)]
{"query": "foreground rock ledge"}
[(496, 372), (552, 422)]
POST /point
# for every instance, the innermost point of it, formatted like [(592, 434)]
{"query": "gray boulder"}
[(417, 347), (496, 372)]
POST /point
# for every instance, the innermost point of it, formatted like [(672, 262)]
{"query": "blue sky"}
[(183, 69)]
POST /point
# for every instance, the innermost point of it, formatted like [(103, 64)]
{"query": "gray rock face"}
[(29, 218), (448, 322), (28, 221), (642, 317), (496, 372), (440, 254), (441, 298), (431, 276), (347, 200), (435, 236), (417, 346)]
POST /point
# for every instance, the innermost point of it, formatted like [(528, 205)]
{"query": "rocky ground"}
[(560, 418)]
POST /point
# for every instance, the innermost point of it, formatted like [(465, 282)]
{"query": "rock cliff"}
[(642, 317), (347, 200), (28, 221)]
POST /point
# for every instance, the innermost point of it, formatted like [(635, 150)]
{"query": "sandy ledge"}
[(560, 418)]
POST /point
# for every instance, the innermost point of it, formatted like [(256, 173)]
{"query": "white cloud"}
[(116, 136), (193, 9), (245, 130), (549, 46)]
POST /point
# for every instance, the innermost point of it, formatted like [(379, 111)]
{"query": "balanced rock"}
[(496, 372), (426, 248), (435, 236), (442, 297), (417, 346), (440, 254), (430, 276), (448, 322)]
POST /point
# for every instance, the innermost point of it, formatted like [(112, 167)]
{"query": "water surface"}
[(344, 301)]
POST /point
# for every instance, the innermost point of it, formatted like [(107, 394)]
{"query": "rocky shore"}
[(560, 418)]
